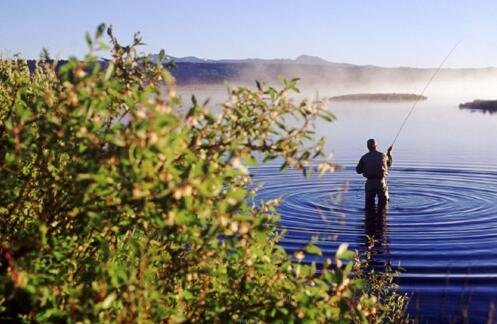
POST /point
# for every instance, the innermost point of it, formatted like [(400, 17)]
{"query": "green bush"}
[(120, 205)]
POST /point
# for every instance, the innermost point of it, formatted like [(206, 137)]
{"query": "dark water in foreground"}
[(441, 226)]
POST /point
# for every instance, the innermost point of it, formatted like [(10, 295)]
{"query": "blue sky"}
[(385, 33)]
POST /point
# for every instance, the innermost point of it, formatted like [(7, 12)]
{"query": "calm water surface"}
[(441, 226)]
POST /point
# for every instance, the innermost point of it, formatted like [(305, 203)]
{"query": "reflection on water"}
[(376, 237), (480, 110)]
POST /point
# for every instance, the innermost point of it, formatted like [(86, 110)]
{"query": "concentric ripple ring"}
[(441, 225)]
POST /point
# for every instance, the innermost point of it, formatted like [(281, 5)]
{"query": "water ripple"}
[(441, 225)]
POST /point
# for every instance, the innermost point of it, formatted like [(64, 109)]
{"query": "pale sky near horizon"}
[(385, 33)]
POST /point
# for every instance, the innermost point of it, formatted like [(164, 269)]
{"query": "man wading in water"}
[(374, 166)]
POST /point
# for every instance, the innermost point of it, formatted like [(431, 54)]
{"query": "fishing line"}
[(424, 89)]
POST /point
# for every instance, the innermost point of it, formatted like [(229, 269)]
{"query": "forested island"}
[(481, 105), (379, 97)]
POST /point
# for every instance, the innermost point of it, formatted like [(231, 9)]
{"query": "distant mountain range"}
[(301, 60), (312, 70), (333, 78)]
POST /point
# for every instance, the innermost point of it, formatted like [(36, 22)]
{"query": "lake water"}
[(441, 225)]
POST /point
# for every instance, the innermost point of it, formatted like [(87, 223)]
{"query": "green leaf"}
[(109, 71), (162, 55), (348, 268), (108, 300), (88, 39), (343, 252), (284, 166), (100, 30), (313, 249), (342, 249)]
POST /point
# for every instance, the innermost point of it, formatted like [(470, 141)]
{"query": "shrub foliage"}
[(118, 204)]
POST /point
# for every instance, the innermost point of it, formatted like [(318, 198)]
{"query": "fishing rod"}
[(424, 89)]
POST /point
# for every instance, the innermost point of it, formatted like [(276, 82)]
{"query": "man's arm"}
[(360, 166), (389, 156)]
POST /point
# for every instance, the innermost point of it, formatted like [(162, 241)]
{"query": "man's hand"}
[(390, 149)]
